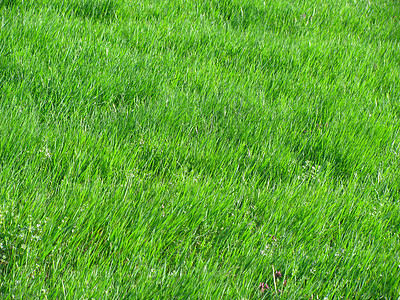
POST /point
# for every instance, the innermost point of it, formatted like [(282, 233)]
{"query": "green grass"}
[(189, 149)]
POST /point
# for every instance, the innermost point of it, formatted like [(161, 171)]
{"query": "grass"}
[(193, 149)]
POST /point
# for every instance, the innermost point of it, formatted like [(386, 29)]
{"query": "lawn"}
[(199, 149)]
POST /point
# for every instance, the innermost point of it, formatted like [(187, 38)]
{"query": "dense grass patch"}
[(195, 149)]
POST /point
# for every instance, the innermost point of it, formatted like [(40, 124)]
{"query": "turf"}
[(194, 149)]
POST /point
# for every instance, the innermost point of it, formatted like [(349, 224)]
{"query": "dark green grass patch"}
[(94, 10)]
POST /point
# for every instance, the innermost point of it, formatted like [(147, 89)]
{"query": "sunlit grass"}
[(195, 149)]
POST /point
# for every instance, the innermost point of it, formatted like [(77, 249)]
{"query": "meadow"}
[(199, 149)]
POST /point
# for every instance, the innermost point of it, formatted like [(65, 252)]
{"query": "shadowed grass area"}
[(8, 3), (95, 10)]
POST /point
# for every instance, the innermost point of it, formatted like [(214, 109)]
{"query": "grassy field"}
[(199, 149)]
